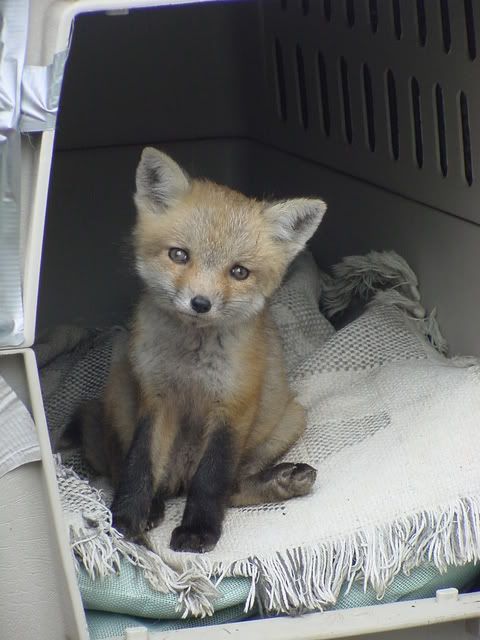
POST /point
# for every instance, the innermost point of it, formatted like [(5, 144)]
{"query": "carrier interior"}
[(284, 98), (280, 98)]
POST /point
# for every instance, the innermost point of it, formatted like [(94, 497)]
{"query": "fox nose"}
[(200, 304)]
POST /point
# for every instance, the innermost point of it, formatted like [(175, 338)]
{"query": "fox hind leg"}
[(85, 430), (275, 484), (261, 481)]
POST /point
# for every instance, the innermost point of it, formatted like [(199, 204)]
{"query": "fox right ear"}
[(160, 181), (294, 222)]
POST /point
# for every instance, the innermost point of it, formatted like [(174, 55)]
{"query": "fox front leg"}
[(208, 496), (135, 501)]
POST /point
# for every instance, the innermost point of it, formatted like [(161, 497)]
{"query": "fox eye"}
[(180, 256), (239, 273)]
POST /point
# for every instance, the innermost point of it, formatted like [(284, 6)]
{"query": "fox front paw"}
[(193, 539), (129, 520)]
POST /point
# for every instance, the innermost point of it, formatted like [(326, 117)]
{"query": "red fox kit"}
[(200, 402)]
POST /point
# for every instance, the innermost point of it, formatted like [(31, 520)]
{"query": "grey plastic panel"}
[(87, 268), (442, 249), (86, 272), (196, 72), (387, 91), (169, 73)]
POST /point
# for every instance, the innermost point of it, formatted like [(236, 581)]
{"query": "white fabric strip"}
[(13, 38), (18, 437)]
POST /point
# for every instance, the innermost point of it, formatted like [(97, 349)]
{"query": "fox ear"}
[(295, 221), (160, 181)]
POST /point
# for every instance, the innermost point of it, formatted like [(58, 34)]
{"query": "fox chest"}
[(188, 362)]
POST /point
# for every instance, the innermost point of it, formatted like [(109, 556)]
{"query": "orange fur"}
[(186, 376)]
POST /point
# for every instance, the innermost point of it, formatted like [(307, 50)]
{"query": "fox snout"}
[(200, 304), (196, 301)]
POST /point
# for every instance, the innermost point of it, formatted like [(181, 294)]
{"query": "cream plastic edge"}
[(57, 27), (34, 238), (48, 470), (448, 606)]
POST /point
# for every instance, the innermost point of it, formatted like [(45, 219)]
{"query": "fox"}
[(199, 403)]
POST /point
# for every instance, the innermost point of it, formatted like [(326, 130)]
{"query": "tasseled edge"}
[(289, 581), (99, 548)]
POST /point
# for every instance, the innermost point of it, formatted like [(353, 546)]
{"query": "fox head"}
[(207, 253)]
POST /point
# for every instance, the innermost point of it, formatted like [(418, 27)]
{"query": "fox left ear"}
[(160, 181), (295, 221)]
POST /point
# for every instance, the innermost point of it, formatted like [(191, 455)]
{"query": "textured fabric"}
[(421, 583), (74, 365), (393, 433), (129, 593), (18, 437)]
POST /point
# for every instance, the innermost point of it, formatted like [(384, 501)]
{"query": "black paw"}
[(157, 511), (193, 539), (153, 523), (129, 520)]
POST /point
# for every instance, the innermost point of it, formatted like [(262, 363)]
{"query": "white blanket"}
[(393, 430)]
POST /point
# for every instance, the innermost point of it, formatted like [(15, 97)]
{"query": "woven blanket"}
[(392, 430)]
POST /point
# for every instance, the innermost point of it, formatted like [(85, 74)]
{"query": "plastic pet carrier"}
[(371, 104)]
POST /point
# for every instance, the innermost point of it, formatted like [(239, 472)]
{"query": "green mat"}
[(129, 593), (127, 600)]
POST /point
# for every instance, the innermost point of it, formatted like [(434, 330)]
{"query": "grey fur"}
[(199, 355)]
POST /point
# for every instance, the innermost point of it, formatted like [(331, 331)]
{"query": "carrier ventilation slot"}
[(350, 12), (442, 139), (368, 102), (323, 92), (305, 7), (393, 114), (446, 32), (327, 9), (470, 27), (283, 4), (397, 19), (373, 12), (467, 150), (302, 89), (347, 109), (421, 22), (417, 120), (280, 76), (352, 90)]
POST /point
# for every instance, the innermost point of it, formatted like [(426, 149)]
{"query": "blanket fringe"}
[(99, 548), (380, 278), (292, 581), (311, 578), (306, 579)]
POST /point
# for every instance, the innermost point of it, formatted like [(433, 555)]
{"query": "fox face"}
[(208, 254)]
